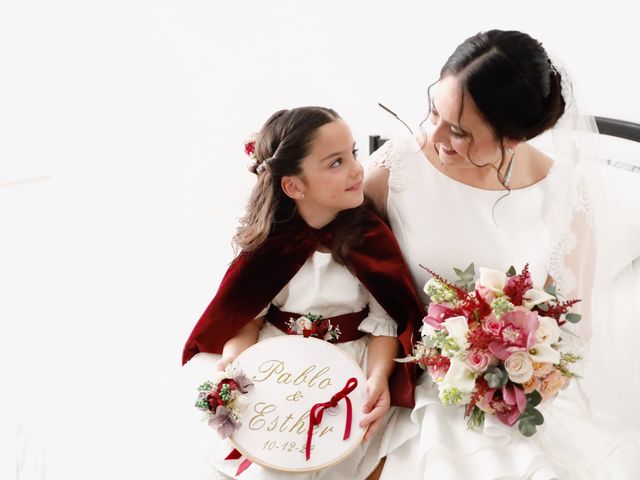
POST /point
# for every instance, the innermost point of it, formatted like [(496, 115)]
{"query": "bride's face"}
[(460, 139)]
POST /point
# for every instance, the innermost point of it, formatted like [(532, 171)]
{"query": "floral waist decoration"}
[(223, 399), (495, 345), (310, 325)]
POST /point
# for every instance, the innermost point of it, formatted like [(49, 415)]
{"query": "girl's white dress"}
[(441, 223), (322, 287)]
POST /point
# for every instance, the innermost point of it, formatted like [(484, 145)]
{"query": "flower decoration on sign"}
[(310, 325), (223, 399)]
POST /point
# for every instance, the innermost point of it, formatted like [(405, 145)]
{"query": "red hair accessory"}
[(250, 148)]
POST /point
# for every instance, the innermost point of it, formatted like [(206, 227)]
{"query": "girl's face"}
[(460, 140), (331, 177)]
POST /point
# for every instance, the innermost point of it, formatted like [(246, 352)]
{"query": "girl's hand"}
[(377, 404), (223, 362)]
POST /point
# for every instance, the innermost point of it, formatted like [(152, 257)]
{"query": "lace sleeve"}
[(389, 157), (572, 259)]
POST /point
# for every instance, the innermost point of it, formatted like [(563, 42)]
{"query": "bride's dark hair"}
[(512, 81)]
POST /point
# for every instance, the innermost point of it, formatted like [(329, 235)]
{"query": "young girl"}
[(311, 244)]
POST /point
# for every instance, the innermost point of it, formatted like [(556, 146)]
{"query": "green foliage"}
[(531, 418), (466, 278), (552, 290), (573, 317), (476, 419), (206, 387), (496, 377)]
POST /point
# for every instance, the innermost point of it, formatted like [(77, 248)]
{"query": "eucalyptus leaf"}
[(495, 377), (527, 429), (533, 398), (532, 415), (470, 270), (573, 317)]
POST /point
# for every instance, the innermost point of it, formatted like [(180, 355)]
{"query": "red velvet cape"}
[(254, 279)]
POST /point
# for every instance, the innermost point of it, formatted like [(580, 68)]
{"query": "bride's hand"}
[(377, 404)]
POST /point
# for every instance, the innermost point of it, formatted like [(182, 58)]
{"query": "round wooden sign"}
[(290, 375)]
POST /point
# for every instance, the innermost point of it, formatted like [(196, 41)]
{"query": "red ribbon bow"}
[(315, 415), (234, 455)]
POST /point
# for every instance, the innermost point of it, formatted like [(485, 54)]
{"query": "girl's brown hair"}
[(281, 145)]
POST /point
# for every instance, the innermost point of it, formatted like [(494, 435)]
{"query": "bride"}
[(474, 189)]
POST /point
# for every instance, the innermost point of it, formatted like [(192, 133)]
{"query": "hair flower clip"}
[(250, 148)]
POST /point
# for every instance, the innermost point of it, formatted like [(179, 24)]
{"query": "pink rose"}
[(478, 360), (552, 384), (492, 325), (485, 292)]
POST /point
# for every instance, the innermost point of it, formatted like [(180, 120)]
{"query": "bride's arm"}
[(376, 188)]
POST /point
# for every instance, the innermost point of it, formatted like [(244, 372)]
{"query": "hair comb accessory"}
[(261, 167)]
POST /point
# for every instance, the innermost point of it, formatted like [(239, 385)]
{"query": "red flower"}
[(507, 402), (321, 327), (517, 285), (250, 148), (227, 381), (214, 400), (480, 339), (475, 307)]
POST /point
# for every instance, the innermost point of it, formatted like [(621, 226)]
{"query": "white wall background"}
[(129, 117)]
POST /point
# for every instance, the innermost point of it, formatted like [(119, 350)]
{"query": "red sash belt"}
[(348, 323)]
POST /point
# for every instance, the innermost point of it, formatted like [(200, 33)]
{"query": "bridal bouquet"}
[(495, 345), (223, 399)]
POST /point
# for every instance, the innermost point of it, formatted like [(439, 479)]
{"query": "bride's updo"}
[(511, 80)]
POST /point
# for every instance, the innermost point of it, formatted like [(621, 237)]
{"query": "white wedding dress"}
[(441, 223), (321, 287)]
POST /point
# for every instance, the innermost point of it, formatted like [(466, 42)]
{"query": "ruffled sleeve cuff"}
[(378, 323)]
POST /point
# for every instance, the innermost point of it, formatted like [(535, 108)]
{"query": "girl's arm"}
[(380, 354), (246, 337)]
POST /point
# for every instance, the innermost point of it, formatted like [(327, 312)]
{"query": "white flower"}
[(494, 280), (427, 330), (459, 376), (548, 331), (535, 296), (457, 329), (519, 367), (304, 323), (543, 353), (239, 404)]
